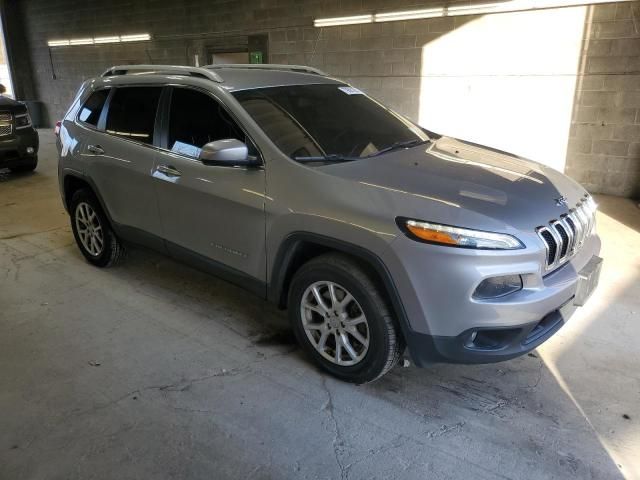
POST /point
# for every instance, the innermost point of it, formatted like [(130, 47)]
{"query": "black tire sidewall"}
[(105, 256), (376, 358)]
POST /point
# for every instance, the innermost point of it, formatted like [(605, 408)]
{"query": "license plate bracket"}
[(588, 279)]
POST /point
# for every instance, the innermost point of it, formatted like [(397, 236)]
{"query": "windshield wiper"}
[(399, 145), (333, 158)]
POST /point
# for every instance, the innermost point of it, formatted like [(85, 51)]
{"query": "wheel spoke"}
[(332, 295), (348, 347), (358, 336), (338, 352), (352, 322), (94, 246), (322, 341), (319, 299), (346, 300), (316, 326), (319, 310)]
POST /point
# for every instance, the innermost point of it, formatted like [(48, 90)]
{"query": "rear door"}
[(214, 211), (121, 157)]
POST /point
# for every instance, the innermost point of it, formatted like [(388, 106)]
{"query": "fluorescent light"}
[(408, 15), (354, 20), (135, 38), (455, 10), (81, 41), (138, 37), (114, 39), (58, 43)]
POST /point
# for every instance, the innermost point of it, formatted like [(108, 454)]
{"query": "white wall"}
[(506, 80)]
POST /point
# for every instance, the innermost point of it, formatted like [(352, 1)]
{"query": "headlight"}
[(456, 236), (23, 120)]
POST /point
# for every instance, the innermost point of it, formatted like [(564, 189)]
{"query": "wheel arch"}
[(72, 182), (300, 247)]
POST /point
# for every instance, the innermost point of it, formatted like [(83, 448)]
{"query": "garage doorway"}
[(222, 58)]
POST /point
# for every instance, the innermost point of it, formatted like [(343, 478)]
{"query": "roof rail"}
[(269, 66), (163, 70)]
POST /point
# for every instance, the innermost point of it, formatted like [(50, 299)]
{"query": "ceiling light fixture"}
[(457, 10), (135, 38), (408, 15), (58, 43), (114, 39), (353, 20), (138, 37)]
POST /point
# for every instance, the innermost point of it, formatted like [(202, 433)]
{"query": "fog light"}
[(30, 150), (495, 287)]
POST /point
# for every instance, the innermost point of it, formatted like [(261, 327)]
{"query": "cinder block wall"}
[(604, 146), (382, 59)]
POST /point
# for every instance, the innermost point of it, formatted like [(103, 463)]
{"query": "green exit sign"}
[(255, 57)]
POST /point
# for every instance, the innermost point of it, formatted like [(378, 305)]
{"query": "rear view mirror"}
[(227, 152)]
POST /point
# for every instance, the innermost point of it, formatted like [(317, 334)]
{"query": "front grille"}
[(6, 126), (563, 237)]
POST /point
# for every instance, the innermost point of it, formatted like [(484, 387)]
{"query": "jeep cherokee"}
[(375, 233)]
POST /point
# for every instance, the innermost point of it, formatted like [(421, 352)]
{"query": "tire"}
[(89, 221), (26, 167), (380, 350)]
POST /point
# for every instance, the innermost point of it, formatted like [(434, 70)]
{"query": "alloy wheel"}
[(89, 229), (334, 323)]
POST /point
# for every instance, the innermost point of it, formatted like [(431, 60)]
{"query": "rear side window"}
[(132, 113), (197, 119), (92, 108)]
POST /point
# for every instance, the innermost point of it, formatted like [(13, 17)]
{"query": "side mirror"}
[(228, 152)]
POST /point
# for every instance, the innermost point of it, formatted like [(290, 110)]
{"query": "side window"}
[(132, 113), (196, 119), (92, 108)]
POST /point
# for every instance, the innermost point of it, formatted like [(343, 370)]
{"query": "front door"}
[(215, 211)]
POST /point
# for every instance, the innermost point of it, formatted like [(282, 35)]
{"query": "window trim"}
[(104, 107), (166, 117)]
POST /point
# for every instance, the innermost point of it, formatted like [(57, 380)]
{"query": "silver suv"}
[(375, 233)]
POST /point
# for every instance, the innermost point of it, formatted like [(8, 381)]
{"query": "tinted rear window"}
[(132, 113), (92, 108)]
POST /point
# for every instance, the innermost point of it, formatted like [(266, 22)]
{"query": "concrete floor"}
[(153, 370)]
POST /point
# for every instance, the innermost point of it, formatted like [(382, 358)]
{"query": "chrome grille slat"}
[(570, 234), (563, 237)]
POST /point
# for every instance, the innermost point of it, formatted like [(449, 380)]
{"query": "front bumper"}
[(13, 148), (506, 343), (437, 285)]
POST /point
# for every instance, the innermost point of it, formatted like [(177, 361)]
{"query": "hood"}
[(9, 104), (450, 176)]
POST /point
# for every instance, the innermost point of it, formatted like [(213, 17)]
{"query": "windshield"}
[(327, 122)]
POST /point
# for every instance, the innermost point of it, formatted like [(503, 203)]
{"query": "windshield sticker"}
[(351, 90)]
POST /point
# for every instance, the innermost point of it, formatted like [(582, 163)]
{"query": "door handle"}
[(169, 170), (95, 149)]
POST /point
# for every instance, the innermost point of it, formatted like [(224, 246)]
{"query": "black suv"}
[(18, 139)]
